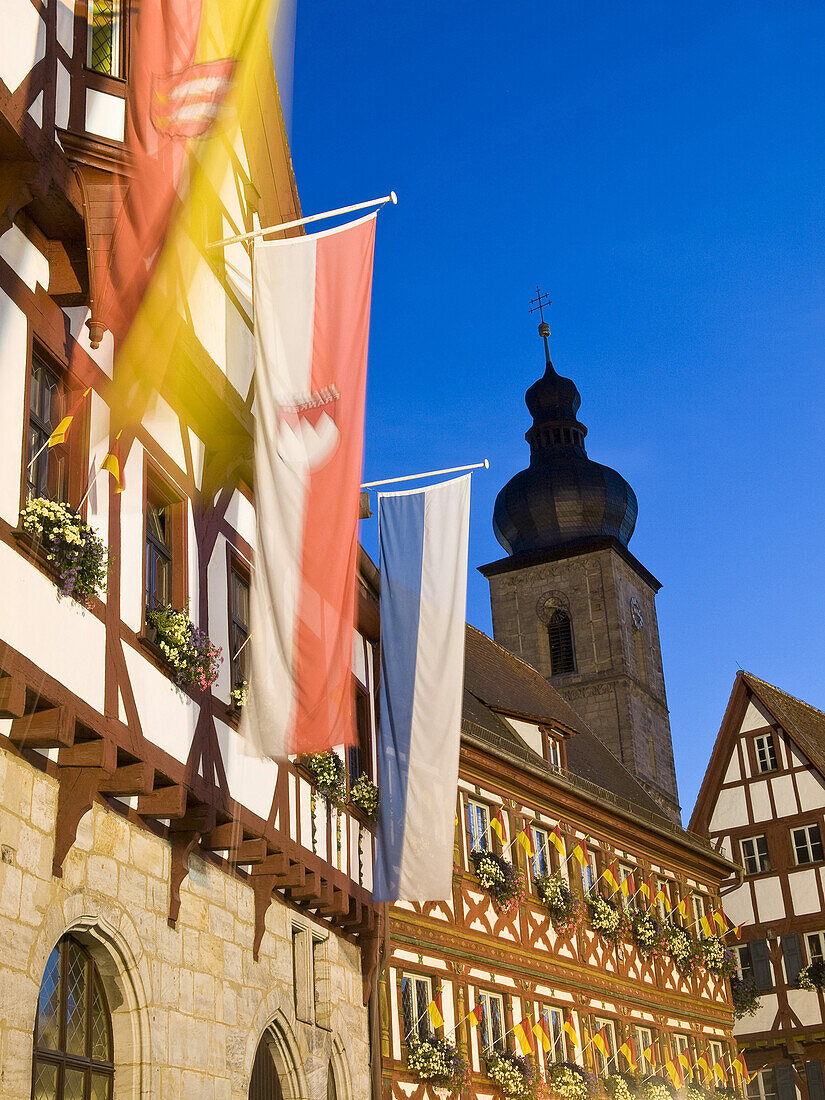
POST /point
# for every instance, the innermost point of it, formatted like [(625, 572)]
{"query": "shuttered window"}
[(792, 954), (813, 1074), (761, 963), (785, 1084), (560, 636)]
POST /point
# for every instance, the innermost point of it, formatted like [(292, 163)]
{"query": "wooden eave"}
[(728, 731)]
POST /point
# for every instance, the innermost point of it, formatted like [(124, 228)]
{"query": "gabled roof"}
[(804, 724), (498, 683)]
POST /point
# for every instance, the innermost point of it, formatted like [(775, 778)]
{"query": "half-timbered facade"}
[(177, 918), (762, 804), (530, 764)]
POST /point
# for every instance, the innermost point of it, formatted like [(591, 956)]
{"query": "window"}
[(589, 873), (165, 549), (560, 636), (73, 1034), (360, 755), (608, 1064), (541, 864), (322, 990), (698, 905), (663, 896), (47, 468), (755, 855), (807, 844), (554, 1022), (628, 900), (744, 966), (492, 1021), (763, 1086), (644, 1040), (816, 945), (238, 623), (765, 752), (715, 1050), (416, 994), (553, 752), (478, 826), (104, 37), (681, 1046)]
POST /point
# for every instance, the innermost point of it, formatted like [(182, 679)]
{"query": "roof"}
[(802, 722), (496, 682)]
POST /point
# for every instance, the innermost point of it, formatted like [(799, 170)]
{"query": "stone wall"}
[(618, 686), (189, 1005)]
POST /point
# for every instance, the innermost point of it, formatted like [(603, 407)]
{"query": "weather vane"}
[(537, 305)]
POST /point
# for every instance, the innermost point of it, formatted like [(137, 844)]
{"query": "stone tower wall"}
[(618, 685)]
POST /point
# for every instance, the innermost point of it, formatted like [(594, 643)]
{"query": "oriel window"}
[(73, 1035), (47, 468), (104, 47)]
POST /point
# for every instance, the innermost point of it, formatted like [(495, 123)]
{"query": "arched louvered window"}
[(560, 635), (73, 1036)]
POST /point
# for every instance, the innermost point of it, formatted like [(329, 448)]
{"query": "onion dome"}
[(563, 498)]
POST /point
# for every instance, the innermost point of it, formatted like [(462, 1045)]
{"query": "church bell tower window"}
[(560, 636)]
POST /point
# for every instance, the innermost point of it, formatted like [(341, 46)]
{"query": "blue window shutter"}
[(813, 1072), (785, 1084), (760, 960), (793, 957)]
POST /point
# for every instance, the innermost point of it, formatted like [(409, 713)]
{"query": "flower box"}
[(812, 976), (363, 794), (183, 648), (327, 772), (606, 917), (682, 948), (436, 1061), (71, 550), (502, 881), (716, 958), (647, 933), (570, 1082), (564, 907), (514, 1075)]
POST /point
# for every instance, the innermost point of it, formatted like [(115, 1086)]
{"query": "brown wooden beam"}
[(130, 779), (164, 802), (12, 697), (223, 837), (248, 851), (48, 728), (307, 890), (89, 754)]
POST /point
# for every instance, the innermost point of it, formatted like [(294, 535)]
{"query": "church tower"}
[(570, 598)]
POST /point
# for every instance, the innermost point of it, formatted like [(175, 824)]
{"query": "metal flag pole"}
[(485, 465), (392, 197)]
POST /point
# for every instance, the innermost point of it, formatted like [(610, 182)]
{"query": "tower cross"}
[(538, 303)]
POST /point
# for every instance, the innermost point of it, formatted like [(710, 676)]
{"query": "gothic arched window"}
[(73, 1034), (560, 636)]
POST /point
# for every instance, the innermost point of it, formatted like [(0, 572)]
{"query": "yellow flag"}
[(542, 1034), (610, 878), (527, 844), (497, 824), (59, 433), (705, 925), (557, 842), (523, 1036)]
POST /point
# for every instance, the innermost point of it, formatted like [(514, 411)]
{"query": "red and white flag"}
[(312, 309)]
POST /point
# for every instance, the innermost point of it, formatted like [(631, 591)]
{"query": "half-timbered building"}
[(177, 918), (761, 804), (529, 763)]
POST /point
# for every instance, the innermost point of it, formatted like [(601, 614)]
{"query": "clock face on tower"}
[(636, 613)]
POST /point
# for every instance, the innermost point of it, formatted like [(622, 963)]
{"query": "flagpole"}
[(241, 237), (485, 465)]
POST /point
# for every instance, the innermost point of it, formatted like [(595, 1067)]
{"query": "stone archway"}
[(276, 1070), (265, 1084)]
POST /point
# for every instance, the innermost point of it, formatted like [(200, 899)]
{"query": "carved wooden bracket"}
[(99, 216), (16, 191), (81, 768), (184, 837), (262, 886)]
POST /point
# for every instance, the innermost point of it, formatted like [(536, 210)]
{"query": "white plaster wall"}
[(103, 355), (28, 262), (755, 718), (738, 905), (20, 51), (218, 615), (733, 771), (251, 778), (65, 25), (162, 423), (797, 755), (167, 716), (764, 1018), (730, 810), (39, 625), (804, 894), (811, 790), (761, 801), (529, 732), (14, 340), (784, 796), (63, 95), (105, 114), (769, 904), (206, 303), (805, 1005), (131, 540), (241, 515), (97, 503), (35, 111), (198, 448)]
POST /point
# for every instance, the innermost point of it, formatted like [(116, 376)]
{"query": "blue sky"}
[(658, 169)]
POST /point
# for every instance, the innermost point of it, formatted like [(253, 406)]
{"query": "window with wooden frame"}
[(359, 756), (626, 872), (478, 826), (541, 862), (815, 944), (164, 560), (742, 957), (763, 1086), (52, 472), (73, 1056), (664, 892), (554, 751), (644, 1041), (807, 843), (416, 994), (590, 872), (553, 1019), (492, 1029), (699, 907), (105, 37), (238, 621), (765, 750), (755, 855), (605, 1063)]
